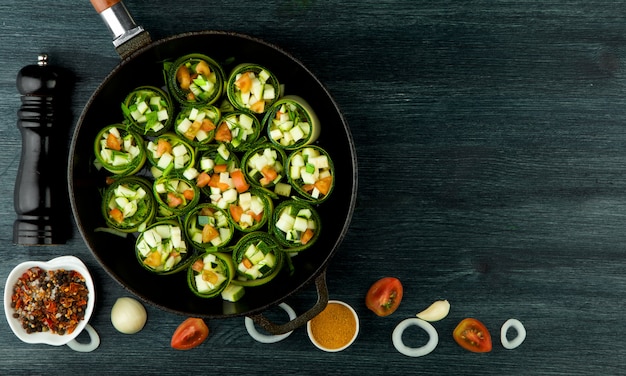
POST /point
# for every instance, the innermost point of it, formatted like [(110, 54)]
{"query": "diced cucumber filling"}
[(166, 241)]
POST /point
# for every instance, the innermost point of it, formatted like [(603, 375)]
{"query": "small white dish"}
[(334, 330), (66, 263)]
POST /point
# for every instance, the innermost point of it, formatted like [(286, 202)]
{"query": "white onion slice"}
[(521, 334), (415, 351), (264, 338)]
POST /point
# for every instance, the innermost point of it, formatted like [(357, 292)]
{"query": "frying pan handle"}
[(101, 5), (127, 36), (322, 302)]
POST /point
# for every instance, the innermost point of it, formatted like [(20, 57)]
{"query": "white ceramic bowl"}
[(327, 349), (64, 262)]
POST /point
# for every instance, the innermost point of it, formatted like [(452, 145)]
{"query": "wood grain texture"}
[(491, 142)]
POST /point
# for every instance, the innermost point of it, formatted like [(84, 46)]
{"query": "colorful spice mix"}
[(334, 327), (53, 300)]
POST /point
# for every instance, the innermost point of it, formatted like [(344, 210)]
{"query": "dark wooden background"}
[(491, 141)]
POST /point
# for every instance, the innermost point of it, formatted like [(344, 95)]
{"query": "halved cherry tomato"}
[(189, 334), (384, 297), (472, 335)]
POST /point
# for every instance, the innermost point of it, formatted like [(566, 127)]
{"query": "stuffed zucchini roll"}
[(264, 165), (196, 79), (210, 273), (119, 150), (128, 204), (252, 87), (258, 259), (208, 227), (149, 110), (196, 124), (250, 211), (238, 129), (291, 123), (162, 249), (311, 173), (215, 160), (169, 153), (176, 194), (295, 224)]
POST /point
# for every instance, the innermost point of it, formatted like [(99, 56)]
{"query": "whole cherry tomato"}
[(189, 334), (384, 297), (472, 335)]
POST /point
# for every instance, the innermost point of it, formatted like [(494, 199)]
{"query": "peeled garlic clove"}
[(437, 311)]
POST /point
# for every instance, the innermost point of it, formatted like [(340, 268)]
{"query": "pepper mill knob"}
[(40, 195)]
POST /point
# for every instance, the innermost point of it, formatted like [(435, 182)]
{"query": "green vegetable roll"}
[(251, 210), (162, 249), (296, 225), (149, 110), (119, 150), (196, 79), (215, 160), (208, 227), (128, 204), (311, 173), (176, 194), (264, 165), (196, 124), (291, 123), (258, 259), (169, 153), (239, 129), (210, 273), (252, 87)]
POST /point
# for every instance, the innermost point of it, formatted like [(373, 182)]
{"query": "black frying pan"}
[(142, 65)]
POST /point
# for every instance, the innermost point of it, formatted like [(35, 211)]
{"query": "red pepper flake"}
[(52, 301)]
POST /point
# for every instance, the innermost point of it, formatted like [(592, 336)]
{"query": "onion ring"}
[(415, 351), (521, 334), (94, 341), (264, 338)]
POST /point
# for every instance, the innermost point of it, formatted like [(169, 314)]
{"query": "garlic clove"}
[(437, 311)]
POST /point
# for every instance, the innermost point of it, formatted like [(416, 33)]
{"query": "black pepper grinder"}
[(40, 197)]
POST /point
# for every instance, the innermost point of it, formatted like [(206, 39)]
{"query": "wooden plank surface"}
[(491, 142)]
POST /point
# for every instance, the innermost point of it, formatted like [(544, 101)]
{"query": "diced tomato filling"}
[(113, 142)]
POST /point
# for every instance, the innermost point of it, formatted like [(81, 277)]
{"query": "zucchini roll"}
[(196, 79), (238, 129), (250, 211), (252, 87), (128, 204), (295, 224), (208, 227), (162, 249), (311, 173), (210, 273), (176, 194), (196, 124), (291, 123), (264, 165), (119, 150), (214, 161), (258, 259), (169, 153), (149, 110)]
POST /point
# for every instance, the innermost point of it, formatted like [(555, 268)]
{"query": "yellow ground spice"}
[(334, 327)]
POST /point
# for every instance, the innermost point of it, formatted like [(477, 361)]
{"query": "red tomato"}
[(189, 334), (384, 297), (472, 335)]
